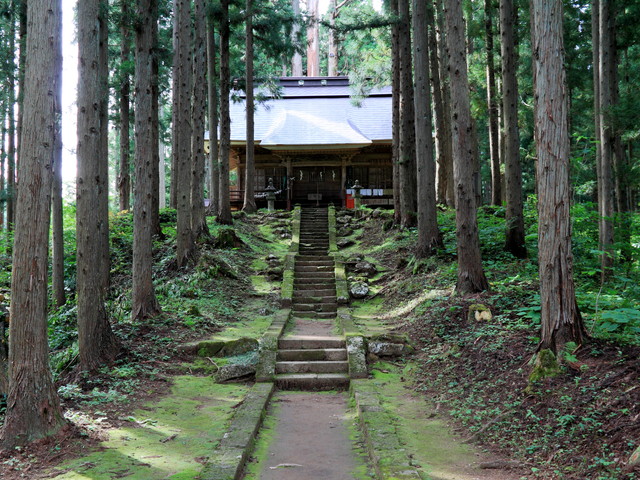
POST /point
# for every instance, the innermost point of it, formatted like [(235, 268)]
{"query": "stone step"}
[(312, 354), (315, 315), (313, 342), (314, 268), (312, 367), (314, 307), (312, 381), (315, 293), (313, 258), (304, 287), (306, 298), (323, 264), (314, 275)]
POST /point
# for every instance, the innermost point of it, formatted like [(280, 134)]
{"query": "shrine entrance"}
[(317, 185)]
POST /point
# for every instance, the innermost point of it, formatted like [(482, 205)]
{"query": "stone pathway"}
[(311, 439), (311, 356)]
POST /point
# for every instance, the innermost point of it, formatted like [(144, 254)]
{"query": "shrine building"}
[(315, 141)]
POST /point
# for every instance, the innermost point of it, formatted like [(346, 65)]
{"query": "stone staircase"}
[(308, 360)]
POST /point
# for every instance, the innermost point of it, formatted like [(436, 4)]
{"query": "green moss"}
[(545, 366), (419, 431), (262, 285), (164, 438)]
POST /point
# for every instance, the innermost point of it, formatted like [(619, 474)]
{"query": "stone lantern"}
[(356, 194), (271, 196)]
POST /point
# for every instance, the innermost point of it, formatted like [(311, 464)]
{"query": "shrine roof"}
[(314, 112)]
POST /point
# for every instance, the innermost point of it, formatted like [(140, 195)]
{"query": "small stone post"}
[(271, 196), (356, 195)]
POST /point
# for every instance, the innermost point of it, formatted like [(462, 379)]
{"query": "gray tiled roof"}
[(309, 116)]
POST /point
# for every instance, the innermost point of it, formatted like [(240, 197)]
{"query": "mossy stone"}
[(545, 366), (479, 312)]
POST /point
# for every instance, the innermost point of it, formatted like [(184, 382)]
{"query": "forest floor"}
[(471, 375), (583, 423)]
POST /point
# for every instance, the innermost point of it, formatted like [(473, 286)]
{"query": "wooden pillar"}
[(289, 183), (343, 181)]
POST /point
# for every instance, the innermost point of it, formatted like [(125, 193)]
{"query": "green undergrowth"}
[(577, 423), (224, 292), (167, 438)]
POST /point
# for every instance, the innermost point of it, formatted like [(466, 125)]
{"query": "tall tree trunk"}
[(296, 60), (103, 173), (224, 210), (444, 180), (561, 320), (250, 164), (606, 183), (494, 147), (124, 178), (3, 158), (33, 407), (96, 341), (595, 46), (144, 303), (429, 237), (514, 216), (214, 168), (313, 40), (157, 165), (57, 229), (332, 53), (199, 108), (182, 73), (395, 107), (407, 154), (439, 116), (471, 276), (11, 160)]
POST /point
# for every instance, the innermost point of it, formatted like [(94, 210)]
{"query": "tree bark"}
[(103, 164), (296, 60), (96, 341), (182, 73), (33, 407), (429, 237), (606, 136), (157, 166), (124, 178), (444, 179), (395, 112), (595, 46), (250, 165), (214, 169), (407, 154), (11, 151), (561, 320), (17, 132), (514, 216), (57, 229), (199, 109), (224, 211), (471, 276), (494, 147), (334, 41), (313, 40), (144, 303)]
